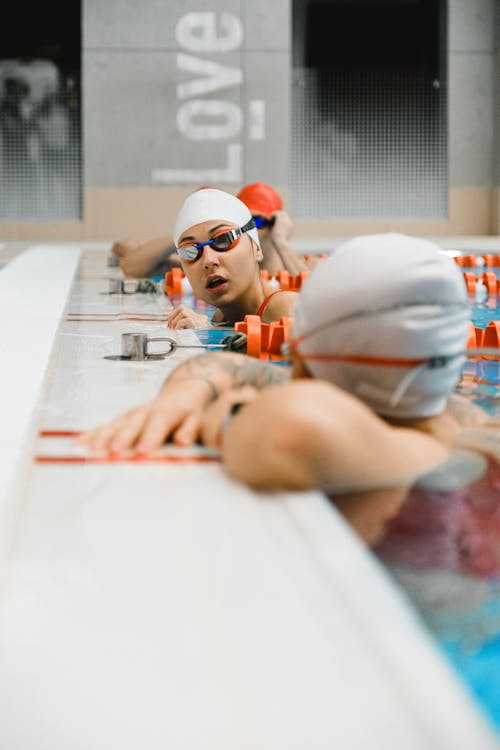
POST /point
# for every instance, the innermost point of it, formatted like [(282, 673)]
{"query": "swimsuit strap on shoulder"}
[(263, 306)]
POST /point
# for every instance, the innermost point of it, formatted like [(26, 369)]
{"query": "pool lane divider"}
[(473, 260), (484, 337), (488, 279)]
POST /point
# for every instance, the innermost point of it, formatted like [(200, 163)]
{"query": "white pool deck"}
[(161, 605)]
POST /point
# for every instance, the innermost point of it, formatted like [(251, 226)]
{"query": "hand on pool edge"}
[(175, 413)]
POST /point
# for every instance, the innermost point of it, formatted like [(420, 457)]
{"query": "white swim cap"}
[(210, 204), (387, 296)]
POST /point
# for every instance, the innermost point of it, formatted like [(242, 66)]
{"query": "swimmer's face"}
[(220, 278)]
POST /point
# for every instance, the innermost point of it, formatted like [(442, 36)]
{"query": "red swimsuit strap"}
[(264, 304)]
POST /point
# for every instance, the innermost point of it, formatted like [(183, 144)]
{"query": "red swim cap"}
[(260, 198)]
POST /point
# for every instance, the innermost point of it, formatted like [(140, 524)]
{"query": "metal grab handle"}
[(131, 286), (172, 346), (135, 346)]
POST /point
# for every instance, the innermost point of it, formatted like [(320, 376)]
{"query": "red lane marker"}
[(114, 315), (131, 459), (114, 320), (58, 433)]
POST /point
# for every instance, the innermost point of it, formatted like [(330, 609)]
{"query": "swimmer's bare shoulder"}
[(309, 434), (280, 305)]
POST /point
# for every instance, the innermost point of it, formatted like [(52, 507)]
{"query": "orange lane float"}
[(491, 260), (173, 281), (264, 340), (488, 278), (475, 339), (470, 282), (491, 337), (466, 261), (490, 281), (289, 282)]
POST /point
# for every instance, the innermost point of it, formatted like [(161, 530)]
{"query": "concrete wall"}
[(496, 127), (175, 97)]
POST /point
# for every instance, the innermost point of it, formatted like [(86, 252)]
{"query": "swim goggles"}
[(262, 222), (221, 242)]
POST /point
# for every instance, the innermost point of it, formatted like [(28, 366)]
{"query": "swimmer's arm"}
[(178, 410), (281, 232), (140, 257), (310, 435), (228, 370)]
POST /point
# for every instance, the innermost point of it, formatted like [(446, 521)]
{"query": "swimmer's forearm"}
[(225, 370), (291, 262), (139, 260)]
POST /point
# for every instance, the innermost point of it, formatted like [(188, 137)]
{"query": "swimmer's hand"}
[(184, 317), (282, 227), (176, 413), (181, 409), (122, 247)]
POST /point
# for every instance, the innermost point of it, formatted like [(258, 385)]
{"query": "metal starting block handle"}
[(132, 286), (135, 346)]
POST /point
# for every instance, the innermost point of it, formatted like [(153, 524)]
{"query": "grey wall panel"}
[(267, 24), (471, 25), (174, 96), (127, 24), (266, 159), (496, 118), (129, 123), (471, 119), (134, 99), (132, 119)]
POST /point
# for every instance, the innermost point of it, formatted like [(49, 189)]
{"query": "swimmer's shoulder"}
[(280, 304)]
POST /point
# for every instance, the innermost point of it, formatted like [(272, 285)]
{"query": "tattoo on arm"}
[(237, 370)]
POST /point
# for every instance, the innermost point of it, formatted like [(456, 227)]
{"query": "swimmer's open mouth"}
[(215, 282)]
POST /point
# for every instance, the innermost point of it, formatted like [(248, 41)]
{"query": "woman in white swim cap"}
[(219, 249)]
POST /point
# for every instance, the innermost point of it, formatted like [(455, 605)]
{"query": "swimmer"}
[(145, 258), (220, 252), (156, 256), (367, 412), (275, 228), (140, 259)]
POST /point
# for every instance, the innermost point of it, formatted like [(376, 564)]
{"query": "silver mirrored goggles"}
[(221, 242)]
